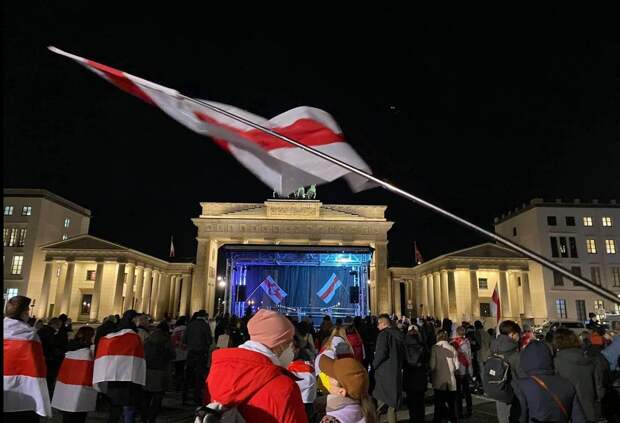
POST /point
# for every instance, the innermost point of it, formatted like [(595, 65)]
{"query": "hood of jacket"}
[(536, 359), (504, 344), (574, 356), (239, 374)]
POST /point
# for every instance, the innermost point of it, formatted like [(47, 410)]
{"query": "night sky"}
[(477, 117)]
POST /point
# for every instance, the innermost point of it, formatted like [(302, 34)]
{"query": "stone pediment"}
[(486, 250), (84, 242)]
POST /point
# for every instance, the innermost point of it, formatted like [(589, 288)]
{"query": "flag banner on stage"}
[(280, 165), (328, 290), (273, 290), (495, 305)]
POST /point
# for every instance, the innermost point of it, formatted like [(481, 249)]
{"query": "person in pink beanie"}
[(253, 377)]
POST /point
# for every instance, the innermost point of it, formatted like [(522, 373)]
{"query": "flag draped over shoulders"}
[(120, 358), (25, 385), (278, 164), (74, 390)]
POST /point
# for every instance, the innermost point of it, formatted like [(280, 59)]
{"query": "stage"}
[(297, 280)]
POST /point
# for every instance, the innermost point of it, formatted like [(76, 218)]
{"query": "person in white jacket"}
[(444, 364)]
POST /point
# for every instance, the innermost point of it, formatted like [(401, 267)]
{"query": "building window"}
[(552, 220), (8, 210), (11, 292), (26, 210), (576, 270), (87, 299), (581, 310), (587, 221), (5, 237), (595, 275), (599, 307), (558, 280), (606, 221), (563, 247), (514, 231), (610, 246), (554, 247), (570, 221), (22, 237), (485, 309), (483, 283), (591, 246), (615, 276), (573, 247), (13, 237), (560, 306), (67, 222), (16, 264), (91, 275), (64, 237)]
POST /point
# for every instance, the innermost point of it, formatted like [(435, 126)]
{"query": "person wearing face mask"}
[(26, 396), (253, 377)]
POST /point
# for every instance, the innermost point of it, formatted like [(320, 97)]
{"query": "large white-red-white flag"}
[(273, 290), (74, 390), (25, 385), (120, 358), (280, 165), (496, 309)]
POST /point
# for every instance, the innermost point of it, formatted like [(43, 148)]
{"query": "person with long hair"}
[(357, 344), (348, 400), (74, 394)]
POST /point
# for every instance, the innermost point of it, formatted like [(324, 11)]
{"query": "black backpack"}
[(496, 379)]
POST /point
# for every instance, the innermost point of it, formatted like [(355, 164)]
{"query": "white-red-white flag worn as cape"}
[(25, 384), (496, 309), (120, 358), (74, 390), (278, 164)]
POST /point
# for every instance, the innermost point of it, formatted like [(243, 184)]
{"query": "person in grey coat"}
[(158, 354), (506, 345), (388, 365), (555, 402), (571, 363)]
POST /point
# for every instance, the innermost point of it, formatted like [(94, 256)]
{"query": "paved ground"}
[(175, 412)]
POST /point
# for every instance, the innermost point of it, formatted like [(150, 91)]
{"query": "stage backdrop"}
[(301, 283)]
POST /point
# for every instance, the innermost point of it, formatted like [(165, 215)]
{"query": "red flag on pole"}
[(171, 247), (418, 255), (496, 305)]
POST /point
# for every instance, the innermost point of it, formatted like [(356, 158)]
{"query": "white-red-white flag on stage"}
[(74, 390), (25, 384), (273, 290), (496, 309), (281, 166), (328, 290)]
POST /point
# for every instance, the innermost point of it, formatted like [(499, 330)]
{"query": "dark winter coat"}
[(415, 378), (537, 405), (388, 364), (158, 353), (574, 365), (197, 336), (509, 350)]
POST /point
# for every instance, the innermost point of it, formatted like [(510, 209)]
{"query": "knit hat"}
[(270, 328), (349, 373)]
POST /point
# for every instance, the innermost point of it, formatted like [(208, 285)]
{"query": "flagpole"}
[(523, 250)]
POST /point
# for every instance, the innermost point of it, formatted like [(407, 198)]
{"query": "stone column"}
[(94, 306), (118, 292), (423, 296), (185, 288), (177, 296), (445, 298), (503, 295), (154, 292), (384, 304), (147, 286), (45, 290), (437, 295), (452, 296), (431, 295), (527, 295), (65, 302), (395, 297), (170, 308), (475, 296), (513, 296), (199, 282), (60, 287), (139, 288), (131, 274), (163, 297)]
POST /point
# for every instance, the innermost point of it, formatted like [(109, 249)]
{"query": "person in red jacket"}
[(253, 377)]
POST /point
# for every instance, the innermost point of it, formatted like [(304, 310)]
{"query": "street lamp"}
[(222, 284)]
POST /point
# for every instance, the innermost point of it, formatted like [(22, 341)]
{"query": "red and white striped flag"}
[(120, 358), (25, 386), (74, 390), (281, 166), (496, 305)]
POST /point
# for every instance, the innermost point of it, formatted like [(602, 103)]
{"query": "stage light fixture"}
[(219, 278), (368, 281), (222, 284)]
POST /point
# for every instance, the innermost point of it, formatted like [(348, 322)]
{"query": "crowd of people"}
[(266, 367)]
